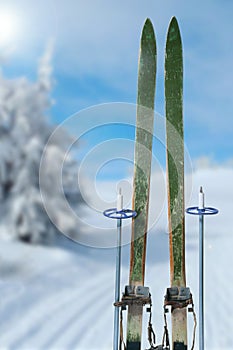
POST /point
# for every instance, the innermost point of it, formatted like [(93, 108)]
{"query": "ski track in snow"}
[(61, 298), (218, 294), (60, 311), (56, 311)]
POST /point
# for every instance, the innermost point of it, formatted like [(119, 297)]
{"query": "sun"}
[(8, 27)]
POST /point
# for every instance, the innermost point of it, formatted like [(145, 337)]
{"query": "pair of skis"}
[(136, 295)]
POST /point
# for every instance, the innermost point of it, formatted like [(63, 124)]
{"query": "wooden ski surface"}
[(142, 170), (175, 174)]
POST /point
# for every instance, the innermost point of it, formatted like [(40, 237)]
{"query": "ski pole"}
[(201, 211), (118, 213), (201, 271), (118, 272)]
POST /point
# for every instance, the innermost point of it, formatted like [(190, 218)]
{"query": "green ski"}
[(141, 186), (178, 296)]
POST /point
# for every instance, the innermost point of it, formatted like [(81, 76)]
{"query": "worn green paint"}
[(134, 324), (175, 173), (142, 170), (175, 149), (143, 147)]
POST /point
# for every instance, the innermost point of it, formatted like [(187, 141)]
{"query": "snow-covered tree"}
[(24, 132)]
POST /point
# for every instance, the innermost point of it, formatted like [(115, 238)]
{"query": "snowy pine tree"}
[(24, 131)]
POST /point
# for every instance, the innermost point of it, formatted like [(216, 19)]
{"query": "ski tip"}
[(148, 34), (173, 30), (148, 23), (174, 22), (201, 189)]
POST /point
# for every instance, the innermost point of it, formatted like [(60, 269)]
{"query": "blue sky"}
[(96, 54)]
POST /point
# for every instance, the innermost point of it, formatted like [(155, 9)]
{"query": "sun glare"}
[(8, 27)]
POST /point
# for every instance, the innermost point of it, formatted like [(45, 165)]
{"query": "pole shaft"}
[(201, 282), (117, 286)]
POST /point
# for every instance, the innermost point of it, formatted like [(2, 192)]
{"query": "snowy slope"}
[(61, 297)]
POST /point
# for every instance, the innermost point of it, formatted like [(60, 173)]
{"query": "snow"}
[(61, 297), (24, 132)]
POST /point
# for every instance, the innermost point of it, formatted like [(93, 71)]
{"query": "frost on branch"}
[(24, 131)]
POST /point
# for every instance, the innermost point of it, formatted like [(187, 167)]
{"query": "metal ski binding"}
[(178, 297), (137, 291)]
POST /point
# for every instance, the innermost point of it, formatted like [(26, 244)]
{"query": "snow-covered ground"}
[(61, 297)]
